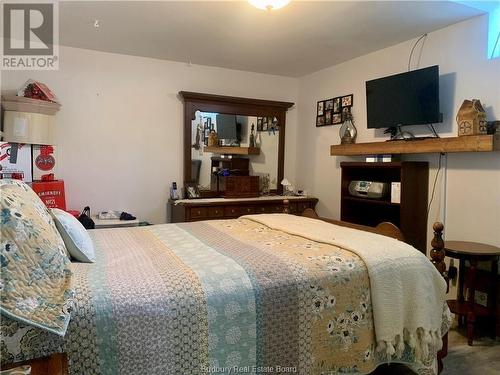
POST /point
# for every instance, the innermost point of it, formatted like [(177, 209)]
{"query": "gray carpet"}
[(482, 358)]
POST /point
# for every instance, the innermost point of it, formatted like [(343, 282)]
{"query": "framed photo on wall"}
[(347, 100), (320, 108), (332, 111)]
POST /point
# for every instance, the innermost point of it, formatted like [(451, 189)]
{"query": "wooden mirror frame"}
[(194, 101)]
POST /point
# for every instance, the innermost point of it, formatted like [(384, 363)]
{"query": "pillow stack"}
[(36, 271)]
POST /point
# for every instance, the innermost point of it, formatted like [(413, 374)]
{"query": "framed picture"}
[(192, 191), (328, 117), (347, 100), (321, 108), (337, 118), (336, 105), (264, 124), (259, 124), (329, 105), (320, 121)]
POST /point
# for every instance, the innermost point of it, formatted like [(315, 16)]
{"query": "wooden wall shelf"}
[(472, 143), (229, 150)]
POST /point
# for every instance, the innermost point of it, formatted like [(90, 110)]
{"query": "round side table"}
[(466, 307)]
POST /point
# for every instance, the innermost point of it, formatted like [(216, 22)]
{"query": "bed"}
[(223, 296)]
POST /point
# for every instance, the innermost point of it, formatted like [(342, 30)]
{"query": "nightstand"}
[(467, 307)]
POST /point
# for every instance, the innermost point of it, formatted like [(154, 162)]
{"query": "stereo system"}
[(369, 189)]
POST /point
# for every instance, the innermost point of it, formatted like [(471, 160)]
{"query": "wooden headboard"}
[(385, 228)]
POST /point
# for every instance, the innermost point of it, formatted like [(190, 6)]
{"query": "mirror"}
[(236, 131), (226, 137)]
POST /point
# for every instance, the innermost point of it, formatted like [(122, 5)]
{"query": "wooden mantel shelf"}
[(472, 143), (229, 150)]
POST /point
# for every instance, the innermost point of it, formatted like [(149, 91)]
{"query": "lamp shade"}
[(27, 127)]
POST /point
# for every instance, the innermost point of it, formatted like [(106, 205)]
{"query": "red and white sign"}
[(51, 193), (44, 163), (15, 165)]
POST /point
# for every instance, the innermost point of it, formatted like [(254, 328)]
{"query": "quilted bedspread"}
[(220, 297)]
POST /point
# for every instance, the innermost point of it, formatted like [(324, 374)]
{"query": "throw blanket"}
[(220, 297), (406, 289)]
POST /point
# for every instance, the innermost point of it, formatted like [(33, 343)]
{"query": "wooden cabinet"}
[(410, 215), (219, 208)]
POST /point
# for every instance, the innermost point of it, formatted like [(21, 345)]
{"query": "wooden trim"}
[(55, 364), (203, 97), (230, 150), (472, 143)]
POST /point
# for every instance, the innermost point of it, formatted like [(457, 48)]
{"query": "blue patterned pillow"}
[(36, 276), (75, 236)]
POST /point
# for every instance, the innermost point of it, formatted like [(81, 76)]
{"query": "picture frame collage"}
[(332, 111), (208, 126), (265, 124)]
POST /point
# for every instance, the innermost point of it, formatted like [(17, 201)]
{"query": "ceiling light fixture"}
[(269, 4)]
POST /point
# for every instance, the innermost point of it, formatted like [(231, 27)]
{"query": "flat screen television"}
[(228, 127), (410, 98)]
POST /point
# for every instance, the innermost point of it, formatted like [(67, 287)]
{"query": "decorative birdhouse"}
[(471, 118)]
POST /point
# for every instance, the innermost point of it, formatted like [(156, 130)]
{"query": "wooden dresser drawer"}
[(214, 212), (199, 213), (232, 211), (247, 210), (301, 206), (208, 209)]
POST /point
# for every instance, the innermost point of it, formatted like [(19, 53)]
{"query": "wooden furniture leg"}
[(437, 258), (495, 303), (471, 315), (460, 291)]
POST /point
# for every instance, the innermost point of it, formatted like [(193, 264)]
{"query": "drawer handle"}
[(248, 210), (199, 212)]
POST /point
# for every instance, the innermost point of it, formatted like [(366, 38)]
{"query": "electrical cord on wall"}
[(495, 46), (431, 128), (423, 36)]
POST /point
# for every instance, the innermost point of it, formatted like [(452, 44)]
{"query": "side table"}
[(466, 307)]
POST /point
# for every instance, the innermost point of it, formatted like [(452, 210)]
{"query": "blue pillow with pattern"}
[(36, 276)]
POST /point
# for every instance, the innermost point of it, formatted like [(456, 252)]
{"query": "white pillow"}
[(74, 235)]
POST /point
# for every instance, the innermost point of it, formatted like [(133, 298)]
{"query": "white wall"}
[(119, 132), (473, 180)]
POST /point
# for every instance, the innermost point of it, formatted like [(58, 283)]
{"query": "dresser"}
[(221, 208)]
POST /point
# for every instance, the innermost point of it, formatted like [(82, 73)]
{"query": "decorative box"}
[(242, 187), (51, 193), (471, 118), (44, 163), (15, 161)]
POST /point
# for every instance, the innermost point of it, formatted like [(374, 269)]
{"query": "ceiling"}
[(301, 38)]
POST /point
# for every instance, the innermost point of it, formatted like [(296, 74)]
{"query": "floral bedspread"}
[(219, 297)]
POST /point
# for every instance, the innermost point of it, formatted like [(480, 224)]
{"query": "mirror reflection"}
[(233, 145)]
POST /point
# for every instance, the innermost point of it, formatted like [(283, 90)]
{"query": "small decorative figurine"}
[(212, 139), (252, 137)]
